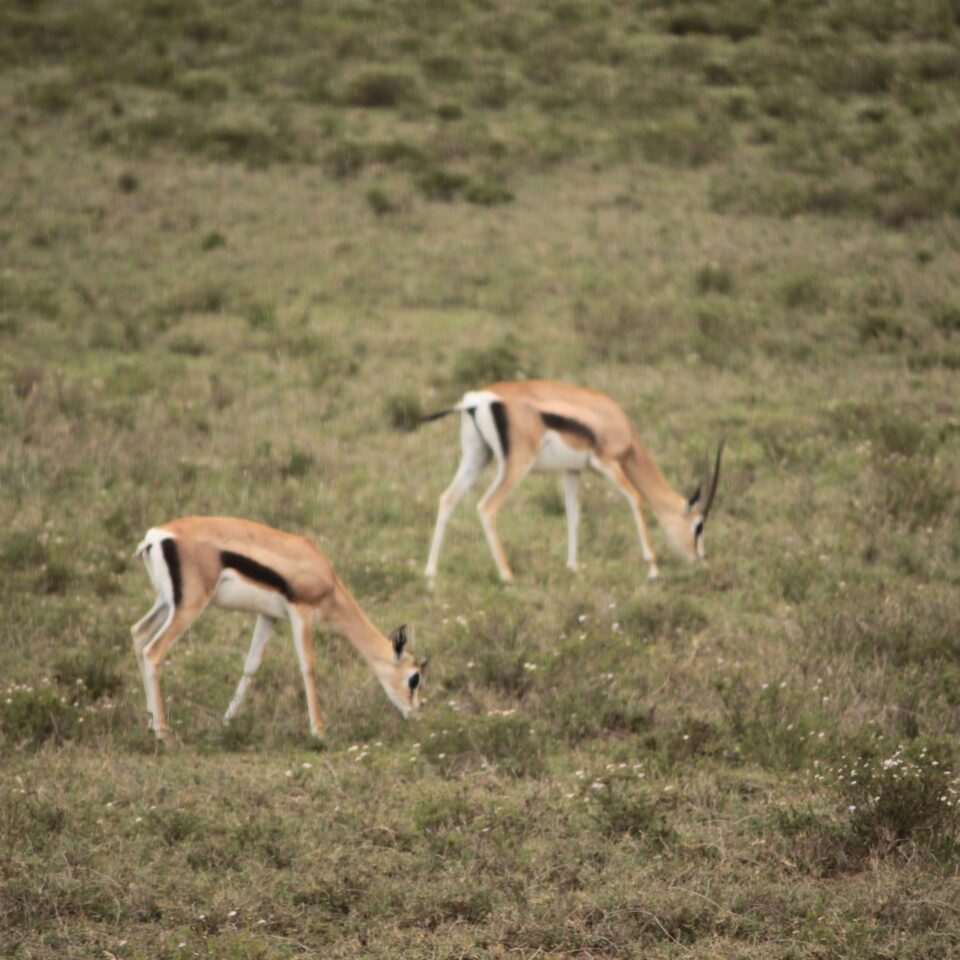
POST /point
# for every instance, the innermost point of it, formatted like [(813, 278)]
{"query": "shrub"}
[(187, 345), (819, 843), (380, 201), (262, 316), (202, 88), (620, 806), (90, 674), (128, 182), (803, 291), (946, 317), (482, 365), (714, 278), (380, 88), (689, 141), (487, 193), (913, 793), (213, 240), (450, 111), (648, 620), (53, 96), (344, 159), (493, 90), (879, 328), (242, 143), (914, 630), (31, 717), (440, 184), (403, 410), (505, 742), (298, 464)]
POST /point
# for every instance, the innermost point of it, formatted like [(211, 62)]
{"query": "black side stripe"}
[(256, 571), (556, 421), (499, 412), (172, 557)]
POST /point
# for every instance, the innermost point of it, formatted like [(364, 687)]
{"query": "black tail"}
[(437, 416)]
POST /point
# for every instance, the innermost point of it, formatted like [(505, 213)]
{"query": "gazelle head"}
[(403, 680), (685, 529)]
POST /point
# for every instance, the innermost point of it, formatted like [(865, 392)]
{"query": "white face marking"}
[(554, 455), (235, 593)]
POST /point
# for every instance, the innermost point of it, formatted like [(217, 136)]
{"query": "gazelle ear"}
[(693, 498), (399, 640), (423, 663)]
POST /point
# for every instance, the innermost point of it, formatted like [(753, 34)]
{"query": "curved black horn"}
[(713, 481)]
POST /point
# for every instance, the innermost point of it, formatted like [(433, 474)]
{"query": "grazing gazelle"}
[(241, 565), (545, 426)]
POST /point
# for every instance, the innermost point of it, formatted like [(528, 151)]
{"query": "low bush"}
[(505, 743), (912, 793), (32, 716), (620, 805), (381, 88), (479, 366), (403, 411)]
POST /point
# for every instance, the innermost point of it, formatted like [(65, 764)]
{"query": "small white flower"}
[(289, 773)]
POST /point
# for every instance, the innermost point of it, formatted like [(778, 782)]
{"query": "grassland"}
[(245, 245)]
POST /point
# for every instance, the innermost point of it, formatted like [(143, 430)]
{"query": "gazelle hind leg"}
[(509, 475), (154, 654), (262, 633), (143, 631), (571, 486), (475, 456), (301, 623)]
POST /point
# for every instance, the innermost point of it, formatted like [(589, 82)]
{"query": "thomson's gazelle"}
[(239, 565), (545, 426)]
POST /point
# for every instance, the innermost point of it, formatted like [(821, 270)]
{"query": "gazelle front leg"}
[(301, 622), (613, 470), (571, 485), (262, 633)]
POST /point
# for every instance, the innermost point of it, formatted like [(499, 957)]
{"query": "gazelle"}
[(545, 426), (195, 562)]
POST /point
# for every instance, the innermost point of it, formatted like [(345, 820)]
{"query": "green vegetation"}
[(248, 246)]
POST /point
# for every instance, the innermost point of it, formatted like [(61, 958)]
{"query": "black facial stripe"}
[(256, 571), (414, 681), (172, 557), (499, 412), (556, 421)]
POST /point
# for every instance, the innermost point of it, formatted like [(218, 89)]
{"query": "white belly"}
[(235, 593), (555, 455)]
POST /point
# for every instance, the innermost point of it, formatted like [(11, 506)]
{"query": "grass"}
[(248, 247)]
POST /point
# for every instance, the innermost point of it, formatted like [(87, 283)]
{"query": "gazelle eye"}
[(698, 529), (414, 681)]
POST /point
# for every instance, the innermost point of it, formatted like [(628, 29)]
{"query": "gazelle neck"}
[(343, 613), (653, 487)]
